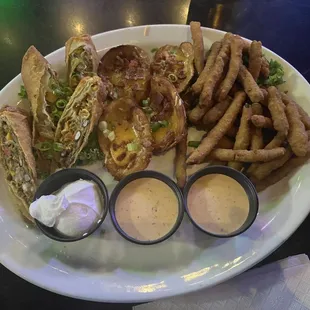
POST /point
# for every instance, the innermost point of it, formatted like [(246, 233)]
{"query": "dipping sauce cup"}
[(221, 201), (146, 207)]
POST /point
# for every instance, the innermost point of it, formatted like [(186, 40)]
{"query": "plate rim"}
[(131, 298)]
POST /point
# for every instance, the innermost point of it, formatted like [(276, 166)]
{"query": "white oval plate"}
[(105, 267)]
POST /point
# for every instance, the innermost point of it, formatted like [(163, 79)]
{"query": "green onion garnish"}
[(22, 93), (61, 103), (194, 144), (172, 77), (155, 126), (147, 110), (154, 50), (43, 146), (59, 93), (131, 147), (57, 147), (164, 123), (145, 102)]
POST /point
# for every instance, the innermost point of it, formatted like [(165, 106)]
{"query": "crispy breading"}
[(198, 85), (265, 169), (261, 121), (220, 129), (249, 85), (305, 118), (243, 137), (276, 108), (205, 99), (264, 70), (255, 59), (297, 136), (247, 156), (257, 141), (234, 67), (218, 110), (282, 172), (180, 162), (198, 46)]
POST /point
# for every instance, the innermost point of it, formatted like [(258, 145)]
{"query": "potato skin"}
[(127, 68), (139, 159), (166, 138), (175, 60)]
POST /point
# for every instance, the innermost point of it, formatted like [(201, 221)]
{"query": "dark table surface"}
[(282, 25)]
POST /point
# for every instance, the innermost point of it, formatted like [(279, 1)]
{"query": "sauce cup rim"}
[(61, 178), (153, 175), (239, 177)]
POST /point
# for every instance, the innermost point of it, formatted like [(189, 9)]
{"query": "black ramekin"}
[(57, 180), (242, 180), (139, 175)]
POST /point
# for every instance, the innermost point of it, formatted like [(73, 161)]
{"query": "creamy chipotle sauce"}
[(146, 209), (218, 204)]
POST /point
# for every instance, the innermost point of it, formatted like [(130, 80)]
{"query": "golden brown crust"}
[(247, 156), (249, 85), (205, 99), (180, 162), (220, 129), (243, 136), (198, 85), (282, 172), (20, 126), (257, 135), (165, 64), (127, 67), (143, 136), (255, 59), (75, 42), (217, 111), (265, 169), (260, 121), (297, 136), (96, 97), (198, 45), (166, 138), (305, 118), (35, 77), (276, 108), (234, 67)]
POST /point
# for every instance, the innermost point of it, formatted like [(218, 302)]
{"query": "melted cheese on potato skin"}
[(124, 134)]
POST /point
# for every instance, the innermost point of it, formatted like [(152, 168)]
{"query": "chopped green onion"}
[(43, 146), (164, 123), (155, 126), (173, 52), (147, 110), (59, 93), (68, 91), (111, 136), (194, 144), (131, 147), (22, 93), (145, 103), (58, 147), (172, 77), (154, 50), (61, 103)]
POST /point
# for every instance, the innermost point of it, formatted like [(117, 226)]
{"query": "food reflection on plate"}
[(128, 107)]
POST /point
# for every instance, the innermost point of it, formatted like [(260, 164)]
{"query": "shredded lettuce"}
[(22, 93), (276, 75), (91, 152)]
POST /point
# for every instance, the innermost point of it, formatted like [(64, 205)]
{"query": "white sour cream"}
[(72, 211)]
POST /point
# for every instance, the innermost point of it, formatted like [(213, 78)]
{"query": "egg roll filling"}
[(18, 173)]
